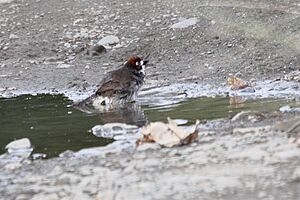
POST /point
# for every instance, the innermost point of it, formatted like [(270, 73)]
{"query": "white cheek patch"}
[(142, 63), (143, 69)]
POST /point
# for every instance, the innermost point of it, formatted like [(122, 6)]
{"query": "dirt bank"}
[(43, 43)]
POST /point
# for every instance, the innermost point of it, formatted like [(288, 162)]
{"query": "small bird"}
[(119, 86)]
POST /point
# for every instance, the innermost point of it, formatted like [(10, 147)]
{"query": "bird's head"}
[(136, 62)]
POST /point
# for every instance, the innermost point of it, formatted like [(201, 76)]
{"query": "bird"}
[(119, 86)]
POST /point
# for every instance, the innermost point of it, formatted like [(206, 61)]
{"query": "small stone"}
[(67, 45), (19, 144), (37, 156), (63, 66), (20, 148), (109, 40), (96, 50), (185, 23), (118, 46), (77, 21), (13, 36)]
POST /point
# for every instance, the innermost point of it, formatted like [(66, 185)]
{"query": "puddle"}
[(53, 127)]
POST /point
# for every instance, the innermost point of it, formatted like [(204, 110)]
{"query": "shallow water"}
[(53, 126)]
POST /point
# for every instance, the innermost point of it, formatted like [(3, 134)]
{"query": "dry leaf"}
[(237, 83), (168, 135)]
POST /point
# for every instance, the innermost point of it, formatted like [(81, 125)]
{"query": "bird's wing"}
[(113, 84)]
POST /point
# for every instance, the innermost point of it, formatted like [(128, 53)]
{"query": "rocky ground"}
[(44, 48), (43, 44), (231, 159)]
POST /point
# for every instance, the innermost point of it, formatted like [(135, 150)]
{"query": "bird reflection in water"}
[(129, 113)]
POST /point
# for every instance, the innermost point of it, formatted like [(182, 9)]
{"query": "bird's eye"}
[(137, 63)]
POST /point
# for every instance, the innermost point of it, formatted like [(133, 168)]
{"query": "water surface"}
[(53, 126)]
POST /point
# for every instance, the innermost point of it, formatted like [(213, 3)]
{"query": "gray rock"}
[(21, 148), (13, 36), (19, 144), (185, 23), (109, 40)]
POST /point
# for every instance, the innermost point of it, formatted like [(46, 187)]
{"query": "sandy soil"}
[(43, 48), (258, 39)]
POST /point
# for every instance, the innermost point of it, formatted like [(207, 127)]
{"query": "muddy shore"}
[(43, 49)]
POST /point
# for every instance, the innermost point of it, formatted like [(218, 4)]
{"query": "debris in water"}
[(21, 148), (37, 156), (168, 135), (253, 116), (237, 83), (287, 109), (180, 121), (112, 130)]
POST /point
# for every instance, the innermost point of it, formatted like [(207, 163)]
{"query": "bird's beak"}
[(145, 62)]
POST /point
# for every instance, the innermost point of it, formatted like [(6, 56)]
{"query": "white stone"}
[(13, 36), (19, 144), (20, 148), (185, 23), (109, 40), (63, 66), (5, 1)]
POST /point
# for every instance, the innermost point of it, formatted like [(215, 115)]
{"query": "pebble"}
[(36, 156), (20, 148), (13, 36), (19, 144), (185, 23), (287, 109), (109, 40), (63, 66)]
